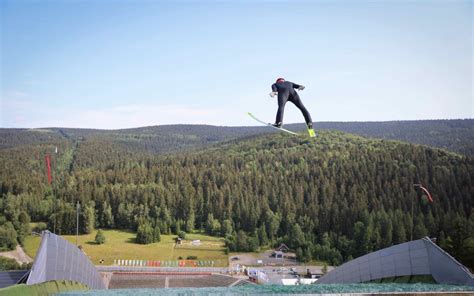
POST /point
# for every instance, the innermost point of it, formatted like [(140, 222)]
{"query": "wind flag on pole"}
[(426, 191), (47, 158)]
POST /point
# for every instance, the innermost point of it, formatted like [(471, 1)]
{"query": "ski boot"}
[(311, 132), (277, 125)]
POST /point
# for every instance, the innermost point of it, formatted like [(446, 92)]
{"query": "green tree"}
[(145, 234), (156, 234), (252, 242), (9, 264), (182, 234), (296, 237), (420, 231), (299, 254), (262, 236), (100, 237), (8, 237), (226, 227), (190, 222), (107, 218), (87, 219), (242, 241), (399, 231), (467, 254), (362, 237), (273, 224), (445, 242), (40, 227)]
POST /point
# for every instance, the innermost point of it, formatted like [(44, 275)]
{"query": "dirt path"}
[(19, 255)]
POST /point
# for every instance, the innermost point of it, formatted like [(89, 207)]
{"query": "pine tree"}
[(145, 234), (262, 236), (156, 234), (8, 237), (226, 228), (100, 237)]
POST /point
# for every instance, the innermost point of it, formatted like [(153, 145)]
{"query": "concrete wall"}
[(58, 259), (420, 257)]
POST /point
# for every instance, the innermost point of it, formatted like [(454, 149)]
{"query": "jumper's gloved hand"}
[(273, 93), (301, 87)]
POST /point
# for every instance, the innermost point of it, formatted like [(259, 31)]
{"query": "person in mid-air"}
[(286, 92)]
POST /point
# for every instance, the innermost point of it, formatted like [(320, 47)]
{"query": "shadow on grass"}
[(92, 243)]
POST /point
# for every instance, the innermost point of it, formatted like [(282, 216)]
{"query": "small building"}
[(283, 248), (278, 254)]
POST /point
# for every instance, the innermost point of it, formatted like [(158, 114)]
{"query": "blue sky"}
[(119, 64)]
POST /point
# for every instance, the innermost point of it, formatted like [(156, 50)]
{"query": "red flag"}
[(426, 191), (47, 158)]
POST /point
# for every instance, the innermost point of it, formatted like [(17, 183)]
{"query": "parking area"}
[(276, 269), (276, 274), (263, 259)]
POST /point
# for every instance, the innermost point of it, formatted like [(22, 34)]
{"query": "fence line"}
[(162, 269)]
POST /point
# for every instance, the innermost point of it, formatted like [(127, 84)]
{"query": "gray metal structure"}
[(58, 259), (419, 257), (10, 278)]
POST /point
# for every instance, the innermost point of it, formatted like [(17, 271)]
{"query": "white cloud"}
[(22, 110), (23, 113), (19, 109)]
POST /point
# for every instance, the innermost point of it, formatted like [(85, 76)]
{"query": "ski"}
[(270, 125)]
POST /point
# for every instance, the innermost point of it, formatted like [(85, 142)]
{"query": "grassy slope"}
[(120, 245), (45, 288)]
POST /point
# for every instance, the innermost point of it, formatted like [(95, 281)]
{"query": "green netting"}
[(278, 289), (46, 288)]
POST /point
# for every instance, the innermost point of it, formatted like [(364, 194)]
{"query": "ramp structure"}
[(58, 259), (10, 278), (419, 257)]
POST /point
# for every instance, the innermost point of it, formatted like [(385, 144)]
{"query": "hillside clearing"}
[(121, 245)]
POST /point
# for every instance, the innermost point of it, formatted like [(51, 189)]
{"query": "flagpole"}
[(51, 174), (47, 159), (77, 222), (54, 187)]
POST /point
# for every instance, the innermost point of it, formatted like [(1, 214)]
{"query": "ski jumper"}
[(286, 92)]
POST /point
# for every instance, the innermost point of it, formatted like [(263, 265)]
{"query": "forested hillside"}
[(453, 135), (333, 198), (151, 140)]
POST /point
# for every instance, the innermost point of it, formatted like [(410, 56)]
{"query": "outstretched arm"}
[(297, 86), (274, 91)]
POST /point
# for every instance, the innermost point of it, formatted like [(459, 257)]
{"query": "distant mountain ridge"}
[(454, 135)]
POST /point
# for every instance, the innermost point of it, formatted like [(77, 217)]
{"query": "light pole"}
[(78, 206), (48, 161)]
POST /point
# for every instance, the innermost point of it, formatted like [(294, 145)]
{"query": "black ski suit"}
[(286, 92)]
